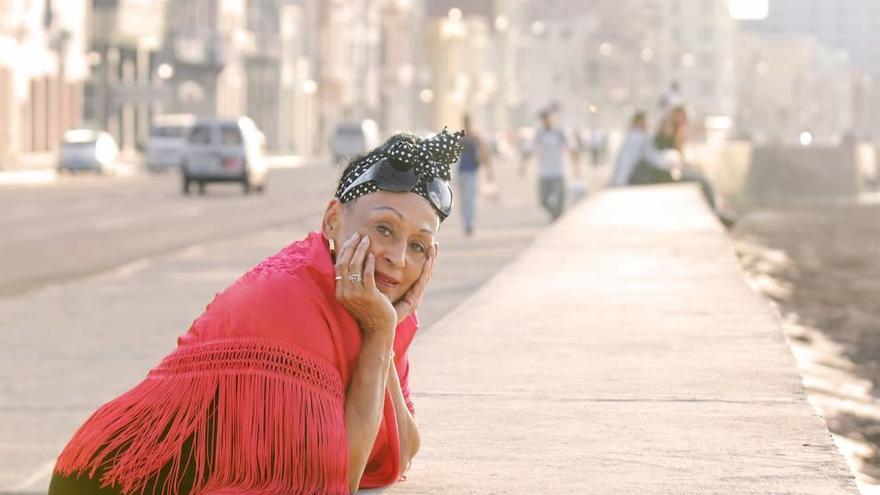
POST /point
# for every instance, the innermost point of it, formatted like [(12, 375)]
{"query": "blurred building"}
[(851, 25), (125, 88), (347, 65), (204, 45), (42, 68), (470, 64), (400, 57), (298, 130), (790, 85), (695, 45)]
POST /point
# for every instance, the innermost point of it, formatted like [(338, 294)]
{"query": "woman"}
[(285, 383)]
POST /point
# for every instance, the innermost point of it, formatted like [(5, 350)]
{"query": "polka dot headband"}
[(430, 158)]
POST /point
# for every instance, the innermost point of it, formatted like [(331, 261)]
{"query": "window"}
[(201, 134), (230, 135)]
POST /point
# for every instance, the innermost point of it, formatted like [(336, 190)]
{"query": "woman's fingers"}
[(414, 296), (356, 265), (370, 273), (342, 263), (345, 254)]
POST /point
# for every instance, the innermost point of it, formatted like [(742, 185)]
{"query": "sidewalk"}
[(622, 353)]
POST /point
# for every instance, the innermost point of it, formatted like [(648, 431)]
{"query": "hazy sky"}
[(749, 9)]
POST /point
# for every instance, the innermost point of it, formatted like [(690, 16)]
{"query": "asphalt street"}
[(100, 275), (81, 225)]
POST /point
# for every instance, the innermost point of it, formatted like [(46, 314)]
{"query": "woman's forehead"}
[(408, 208)]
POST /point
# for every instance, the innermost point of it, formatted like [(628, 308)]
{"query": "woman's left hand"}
[(413, 297)]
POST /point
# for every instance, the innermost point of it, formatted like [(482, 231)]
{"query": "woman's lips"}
[(387, 281)]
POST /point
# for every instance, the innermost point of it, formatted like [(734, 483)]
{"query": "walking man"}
[(550, 145), (474, 157)]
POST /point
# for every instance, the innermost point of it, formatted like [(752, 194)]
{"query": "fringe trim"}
[(262, 416)]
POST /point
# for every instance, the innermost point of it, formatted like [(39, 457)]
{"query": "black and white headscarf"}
[(432, 157)]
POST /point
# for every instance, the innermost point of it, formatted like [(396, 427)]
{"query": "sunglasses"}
[(398, 176)]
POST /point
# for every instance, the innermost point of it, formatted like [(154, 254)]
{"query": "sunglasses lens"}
[(389, 177), (440, 195)]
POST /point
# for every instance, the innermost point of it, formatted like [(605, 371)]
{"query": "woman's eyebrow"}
[(389, 208), (399, 214)]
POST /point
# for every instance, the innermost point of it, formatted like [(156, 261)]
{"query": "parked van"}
[(225, 150), (167, 143), (351, 138)]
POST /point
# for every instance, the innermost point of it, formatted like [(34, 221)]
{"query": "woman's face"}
[(402, 228)]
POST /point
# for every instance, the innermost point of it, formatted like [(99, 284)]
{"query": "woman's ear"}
[(332, 220)]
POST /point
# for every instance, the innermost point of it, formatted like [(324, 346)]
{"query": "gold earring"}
[(332, 246)]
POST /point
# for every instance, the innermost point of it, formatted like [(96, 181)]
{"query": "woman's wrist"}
[(378, 343), (379, 330)]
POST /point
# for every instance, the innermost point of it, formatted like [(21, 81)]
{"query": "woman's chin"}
[(390, 293)]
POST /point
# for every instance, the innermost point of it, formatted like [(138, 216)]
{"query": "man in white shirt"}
[(550, 145)]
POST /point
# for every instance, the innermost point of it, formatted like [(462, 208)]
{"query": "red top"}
[(258, 385)]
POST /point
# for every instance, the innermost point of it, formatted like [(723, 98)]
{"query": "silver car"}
[(167, 142), (85, 149), (225, 150)]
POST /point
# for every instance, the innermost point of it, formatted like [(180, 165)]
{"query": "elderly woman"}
[(295, 378)]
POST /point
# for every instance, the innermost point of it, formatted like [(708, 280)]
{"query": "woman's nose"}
[(395, 254)]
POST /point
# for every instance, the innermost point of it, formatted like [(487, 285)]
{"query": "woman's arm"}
[(407, 430), (364, 401), (377, 319)]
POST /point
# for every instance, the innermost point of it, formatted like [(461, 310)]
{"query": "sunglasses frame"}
[(390, 176)]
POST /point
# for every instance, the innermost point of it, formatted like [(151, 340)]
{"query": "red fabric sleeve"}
[(406, 332)]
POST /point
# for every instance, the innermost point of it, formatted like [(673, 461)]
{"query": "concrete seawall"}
[(772, 172), (623, 353)]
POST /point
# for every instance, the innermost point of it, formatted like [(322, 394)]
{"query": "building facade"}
[(42, 69), (124, 89)]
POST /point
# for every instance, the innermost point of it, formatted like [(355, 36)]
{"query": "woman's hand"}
[(413, 297), (372, 310)]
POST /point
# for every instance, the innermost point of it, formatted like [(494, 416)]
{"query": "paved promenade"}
[(621, 354)]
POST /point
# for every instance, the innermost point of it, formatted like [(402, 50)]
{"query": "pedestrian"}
[(671, 98), (295, 378), (550, 144), (474, 157), (639, 160), (598, 146)]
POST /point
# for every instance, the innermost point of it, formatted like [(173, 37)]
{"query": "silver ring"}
[(355, 277), (338, 278)]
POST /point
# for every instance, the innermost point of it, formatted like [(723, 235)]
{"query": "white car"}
[(350, 139), (86, 149), (225, 150), (167, 143)]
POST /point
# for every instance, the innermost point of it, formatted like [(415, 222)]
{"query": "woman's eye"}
[(383, 230), (415, 246)]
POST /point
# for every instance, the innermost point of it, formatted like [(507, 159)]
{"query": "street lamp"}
[(605, 49), (762, 68), (688, 60), (502, 23), (310, 86), (426, 96), (538, 28), (165, 71), (647, 55), (93, 58), (806, 138)]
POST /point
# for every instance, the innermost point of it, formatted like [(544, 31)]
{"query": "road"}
[(81, 225), (99, 277)]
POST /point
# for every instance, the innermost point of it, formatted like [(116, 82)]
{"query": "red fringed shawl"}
[(257, 385)]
